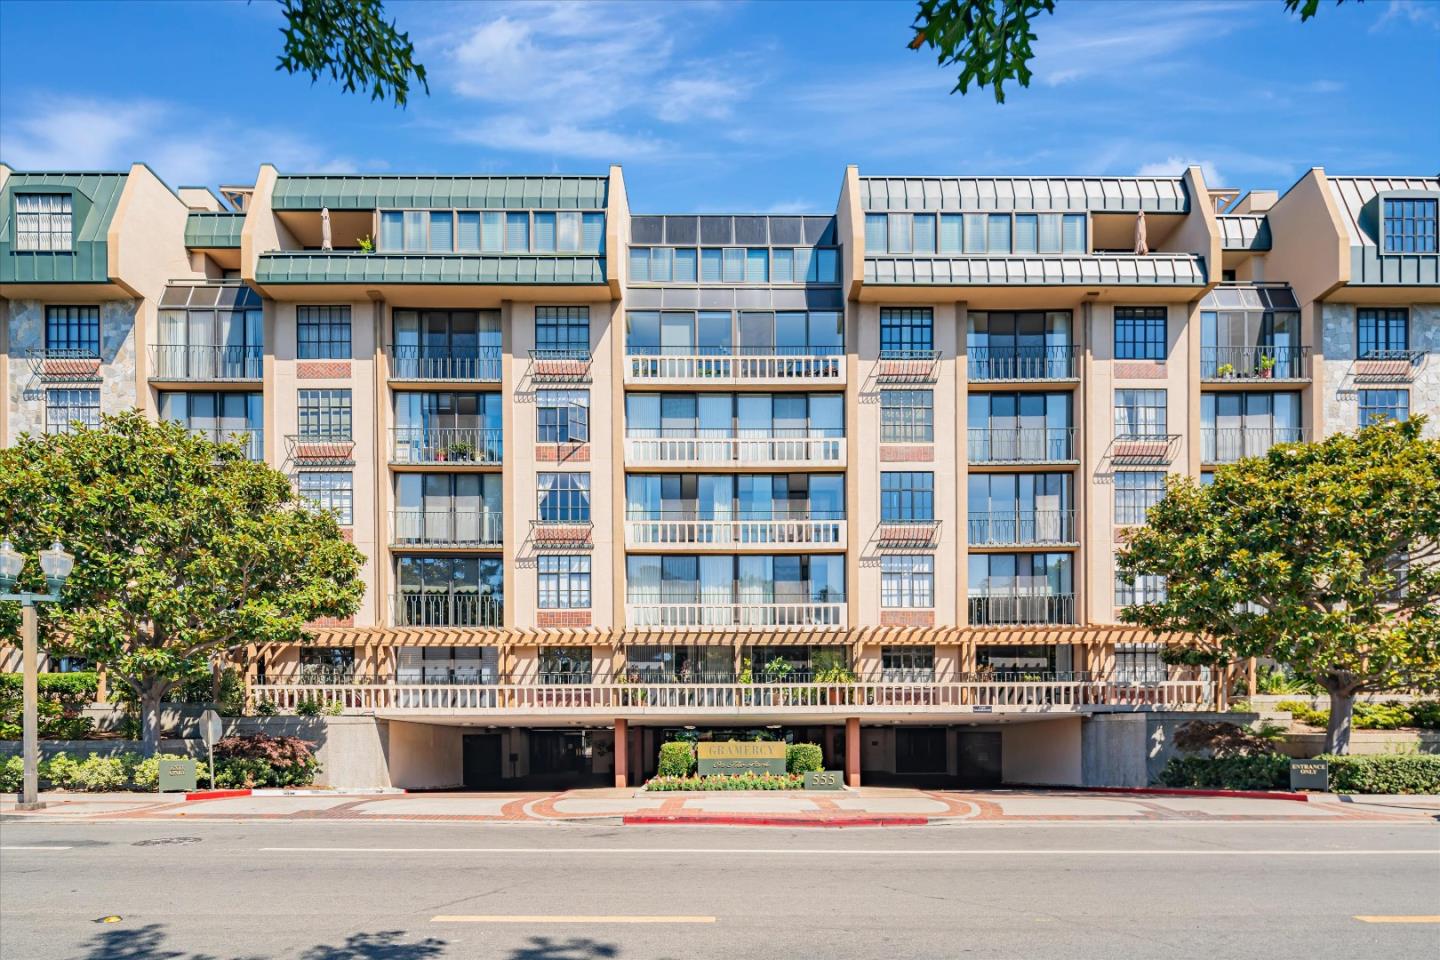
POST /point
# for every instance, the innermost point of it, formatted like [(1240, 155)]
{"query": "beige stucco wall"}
[(425, 756), (1047, 752)]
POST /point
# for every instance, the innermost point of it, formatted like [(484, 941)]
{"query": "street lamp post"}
[(56, 564)]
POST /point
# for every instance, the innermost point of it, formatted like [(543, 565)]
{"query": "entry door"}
[(978, 758), (919, 750), (482, 760)]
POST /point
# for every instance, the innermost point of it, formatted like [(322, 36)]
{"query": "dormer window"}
[(1410, 225), (43, 221)]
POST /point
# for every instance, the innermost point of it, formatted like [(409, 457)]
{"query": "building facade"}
[(857, 477)]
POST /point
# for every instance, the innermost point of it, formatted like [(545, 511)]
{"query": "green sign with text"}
[(824, 780), (1309, 775), (176, 775), (736, 756)]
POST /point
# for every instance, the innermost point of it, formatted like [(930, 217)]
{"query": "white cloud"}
[(1174, 165), (512, 132), (1408, 13), (1124, 40), (77, 134)]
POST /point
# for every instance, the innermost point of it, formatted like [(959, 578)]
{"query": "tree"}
[(352, 42), (184, 550), (991, 39), (1324, 557)]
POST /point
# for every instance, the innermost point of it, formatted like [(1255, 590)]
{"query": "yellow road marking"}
[(568, 918), (1400, 919)]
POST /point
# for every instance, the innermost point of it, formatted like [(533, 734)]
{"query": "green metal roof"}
[(213, 230), (411, 268), (94, 197), (341, 192)]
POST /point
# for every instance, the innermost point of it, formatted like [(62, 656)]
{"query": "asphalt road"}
[(413, 891)]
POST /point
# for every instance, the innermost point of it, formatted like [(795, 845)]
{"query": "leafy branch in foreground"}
[(352, 42)]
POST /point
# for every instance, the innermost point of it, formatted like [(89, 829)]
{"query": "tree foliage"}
[(1324, 557), (991, 40), (184, 549), (352, 42)]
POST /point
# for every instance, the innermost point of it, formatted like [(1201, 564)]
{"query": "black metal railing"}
[(448, 610), (1021, 444), (173, 361), (1228, 444), (1005, 527), (411, 362), (1008, 675), (1021, 362), (459, 445), (1021, 607), (1252, 363), (564, 677), (447, 527)]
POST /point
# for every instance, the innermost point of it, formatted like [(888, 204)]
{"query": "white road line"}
[(569, 918), (833, 851), (35, 848)]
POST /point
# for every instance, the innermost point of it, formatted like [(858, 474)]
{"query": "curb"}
[(285, 792), (653, 819), (1185, 792), (216, 794)]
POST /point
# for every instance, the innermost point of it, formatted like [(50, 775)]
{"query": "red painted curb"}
[(1185, 792), (216, 794), (651, 819)]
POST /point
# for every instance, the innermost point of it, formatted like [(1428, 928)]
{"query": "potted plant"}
[(1226, 371), (462, 450), (367, 245), (1267, 366)]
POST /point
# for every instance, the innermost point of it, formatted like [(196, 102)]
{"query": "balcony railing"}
[(560, 365), (319, 449), (1022, 363), (644, 612), (410, 362), (1255, 363), (650, 530), (1387, 366), (1021, 444), (52, 364), (1228, 444), (251, 442), (1022, 528), (915, 533), (448, 610), (447, 528), (776, 448), (1018, 608), (456, 445), (755, 366), (739, 700), (206, 362), (907, 366)]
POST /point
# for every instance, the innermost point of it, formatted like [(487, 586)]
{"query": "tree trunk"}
[(150, 717), (1342, 708)]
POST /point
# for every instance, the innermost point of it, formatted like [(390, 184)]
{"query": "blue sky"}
[(731, 106)]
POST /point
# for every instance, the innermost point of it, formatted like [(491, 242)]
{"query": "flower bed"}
[(741, 781)]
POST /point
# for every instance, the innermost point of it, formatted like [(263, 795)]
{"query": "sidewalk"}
[(867, 806)]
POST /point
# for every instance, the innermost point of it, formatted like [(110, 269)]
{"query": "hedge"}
[(62, 696), (255, 761), (676, 760), (739, 781), (1390, 715), (1365, 773), (803, 757)]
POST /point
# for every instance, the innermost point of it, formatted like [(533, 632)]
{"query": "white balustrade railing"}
[(641, 532), (735, 699), (759, 369), (735, 615), (768, 451)]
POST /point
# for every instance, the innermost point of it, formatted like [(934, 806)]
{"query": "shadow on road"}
[(148, 943), (576, 948)]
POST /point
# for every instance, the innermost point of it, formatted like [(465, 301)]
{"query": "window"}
[(1136, 492), (517, 233), (907, 580), (906, 331), (544, 233), (1139, 413), (43, 221), (564, 581), (1379, 405), (327, 490), (685, 265), (72, 331), (1147, 588), (907, 496), (1410, 225), (222, 417), (1139, 333), (757, 265), (907, 416), (1383, 330), (564, 497), (563, 328), (65, 406), (562, 416), (1072, 233), (907, 663), (876, 233), (1027, 232), (1139, 663), (322, 333), (325, 414)]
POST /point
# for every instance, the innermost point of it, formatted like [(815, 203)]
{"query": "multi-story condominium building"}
[(857, 477)]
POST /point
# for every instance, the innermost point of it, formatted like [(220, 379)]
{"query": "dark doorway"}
[(482, 761), (978, 758), (919, 750)]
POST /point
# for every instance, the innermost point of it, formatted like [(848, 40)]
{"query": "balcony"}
[(1228, 444), (462, 446), (1226, 364), (639, 698), (54, 365), (398, 271), (1021, 445), (562, 534), (648, 613), (251, 442), (912, 534), (777, 448), (446, 528), (560, 366), (907, 366), (744, 367), (447, 610), (1022, 363), (1022, 528), (1021, 608), (474, 364), (685, 529), (206, 363), (309, 450)]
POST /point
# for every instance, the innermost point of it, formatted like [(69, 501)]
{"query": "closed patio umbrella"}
[(1141, 247), (325, 229)]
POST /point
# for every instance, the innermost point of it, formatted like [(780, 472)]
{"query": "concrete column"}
[(852, 751), (622, 752)]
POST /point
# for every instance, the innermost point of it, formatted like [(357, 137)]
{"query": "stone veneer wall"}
[(1340, 343), (117, 362)]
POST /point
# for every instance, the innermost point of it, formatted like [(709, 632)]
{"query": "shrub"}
[(12, 775), (266, 708), (676, 760), (99, 774), (740, 781), (1265, 771), (1384, 773), (1426, 714), (1222, 739), (261, 760), (307, 707), (802, 757), (60, 772)]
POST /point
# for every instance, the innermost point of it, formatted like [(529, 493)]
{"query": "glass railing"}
[(1255, 363)]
